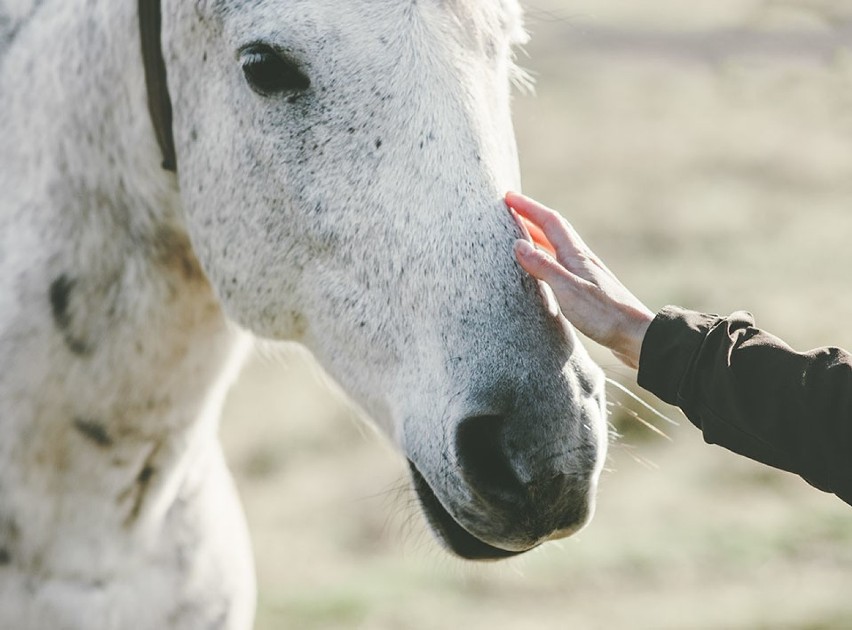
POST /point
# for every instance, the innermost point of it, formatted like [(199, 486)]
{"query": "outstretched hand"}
[(589, 294)]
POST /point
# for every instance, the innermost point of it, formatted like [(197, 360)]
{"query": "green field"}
[(705, 151)]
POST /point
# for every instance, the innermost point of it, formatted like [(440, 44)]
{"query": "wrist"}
[(630, 348)]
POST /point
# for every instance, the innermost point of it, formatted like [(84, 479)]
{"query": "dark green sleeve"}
[(751, 393)]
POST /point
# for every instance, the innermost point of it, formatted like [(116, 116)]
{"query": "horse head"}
[(341, 167)]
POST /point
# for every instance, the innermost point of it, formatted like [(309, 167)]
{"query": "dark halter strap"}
[(159, 102)]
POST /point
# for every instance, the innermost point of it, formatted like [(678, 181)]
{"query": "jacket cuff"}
[(668, 350)]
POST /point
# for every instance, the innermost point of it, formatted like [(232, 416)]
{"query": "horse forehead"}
[(482, 14)]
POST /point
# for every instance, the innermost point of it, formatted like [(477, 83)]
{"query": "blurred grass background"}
[(705, 151)]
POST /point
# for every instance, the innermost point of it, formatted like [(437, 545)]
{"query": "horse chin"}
[(455, 537)]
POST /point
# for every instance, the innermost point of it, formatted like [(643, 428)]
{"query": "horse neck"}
[(103, 306)]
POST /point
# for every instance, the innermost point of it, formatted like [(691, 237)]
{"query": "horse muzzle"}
[(509, 491)]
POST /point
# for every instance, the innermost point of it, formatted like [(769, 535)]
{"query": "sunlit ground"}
[(705, 151)]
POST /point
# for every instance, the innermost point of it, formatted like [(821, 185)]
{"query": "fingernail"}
[(523, 248), (510, 196)]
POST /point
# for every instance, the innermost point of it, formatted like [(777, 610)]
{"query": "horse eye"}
[(268, 73)]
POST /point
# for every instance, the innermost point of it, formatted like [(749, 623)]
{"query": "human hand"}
[(589, 294)]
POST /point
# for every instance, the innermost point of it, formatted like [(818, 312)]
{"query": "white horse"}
[(340, 167)]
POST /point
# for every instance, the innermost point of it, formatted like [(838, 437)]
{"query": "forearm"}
[(751, 393)]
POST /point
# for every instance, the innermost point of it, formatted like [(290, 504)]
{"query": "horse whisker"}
[(636, 398)]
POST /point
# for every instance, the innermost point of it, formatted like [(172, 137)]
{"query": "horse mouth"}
[(451, 533)]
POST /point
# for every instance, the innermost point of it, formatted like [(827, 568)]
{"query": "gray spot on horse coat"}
[(145, 475), (60, 291), (60, 301), (9, 27), (9, 534), (5, 31), (139, 490), (94, 431)]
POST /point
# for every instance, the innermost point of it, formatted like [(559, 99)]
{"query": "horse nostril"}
[(483, 459)]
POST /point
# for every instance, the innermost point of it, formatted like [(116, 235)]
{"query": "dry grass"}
[(718, 181)]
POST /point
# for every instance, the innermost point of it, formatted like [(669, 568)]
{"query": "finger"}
[(553, 223), (533, 233), (540, 265), (520, 223), (556, 229), (568, 244), (571, 291), (574, 260)]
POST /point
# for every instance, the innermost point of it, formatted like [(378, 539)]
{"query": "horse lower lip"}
[(457, 538)]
